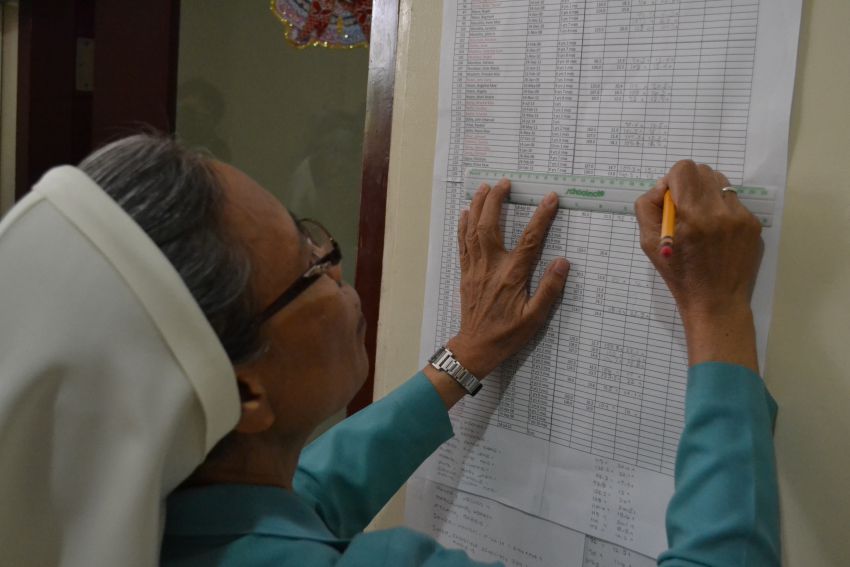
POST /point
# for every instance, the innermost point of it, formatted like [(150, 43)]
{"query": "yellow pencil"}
[(668, 225)]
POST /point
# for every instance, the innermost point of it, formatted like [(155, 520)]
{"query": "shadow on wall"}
[(325, 183), (201, 107)]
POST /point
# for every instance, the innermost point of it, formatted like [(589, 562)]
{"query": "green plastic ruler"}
[(597, 193)]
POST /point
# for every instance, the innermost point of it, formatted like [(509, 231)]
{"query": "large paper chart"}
[(567, 455)]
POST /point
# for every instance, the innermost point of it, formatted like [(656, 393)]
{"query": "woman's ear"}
[(257, 413)]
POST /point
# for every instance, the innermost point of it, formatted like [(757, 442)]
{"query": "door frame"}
[(373, 189)]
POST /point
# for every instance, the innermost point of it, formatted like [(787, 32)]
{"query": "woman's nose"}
[(336, 272)]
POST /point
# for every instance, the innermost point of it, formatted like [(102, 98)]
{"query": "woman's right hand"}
[(711, 274)]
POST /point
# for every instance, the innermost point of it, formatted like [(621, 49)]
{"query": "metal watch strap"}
[(444, 360)]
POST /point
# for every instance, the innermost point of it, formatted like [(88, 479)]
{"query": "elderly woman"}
[(170, 330)]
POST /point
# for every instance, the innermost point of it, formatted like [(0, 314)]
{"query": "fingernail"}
[(551, 199), (482, 188), (561, 266)]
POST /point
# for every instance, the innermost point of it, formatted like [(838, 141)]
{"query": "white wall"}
[(290, 118), (809, 353), (808, 366), (274, 111)]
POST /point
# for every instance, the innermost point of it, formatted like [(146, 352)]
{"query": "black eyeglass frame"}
[(319, 268)]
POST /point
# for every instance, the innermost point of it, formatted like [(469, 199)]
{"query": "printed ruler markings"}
[(597, 193)]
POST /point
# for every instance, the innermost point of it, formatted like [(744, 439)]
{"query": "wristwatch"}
[(444, 361)]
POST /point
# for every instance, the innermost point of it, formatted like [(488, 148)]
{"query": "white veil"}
[(113, 386)]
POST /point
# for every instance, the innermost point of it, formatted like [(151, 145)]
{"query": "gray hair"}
[(174, 195)]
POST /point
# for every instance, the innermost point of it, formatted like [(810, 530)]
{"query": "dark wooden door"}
[(61, 120)]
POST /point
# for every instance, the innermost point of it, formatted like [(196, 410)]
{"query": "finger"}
[(656, 194), (477, 203), (710, 184), (733, 203), (721, 179), (729, 198), (550, 289), (462, 225), (683, 180), (742, 213), (489, 226), (648, 210), (528, 248), (472, 220)]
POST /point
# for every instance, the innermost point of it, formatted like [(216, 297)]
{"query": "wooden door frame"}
[(373, 190)]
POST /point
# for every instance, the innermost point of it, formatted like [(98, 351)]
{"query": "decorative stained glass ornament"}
[(325, 23)]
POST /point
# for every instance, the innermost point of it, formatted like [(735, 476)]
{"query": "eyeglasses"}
[(326, 255)]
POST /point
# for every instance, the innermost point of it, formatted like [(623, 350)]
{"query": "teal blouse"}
[(724, 510)]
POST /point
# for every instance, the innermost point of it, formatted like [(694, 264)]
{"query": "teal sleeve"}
[(725, 510), (398, 547), (402, 547), (350, 472)]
